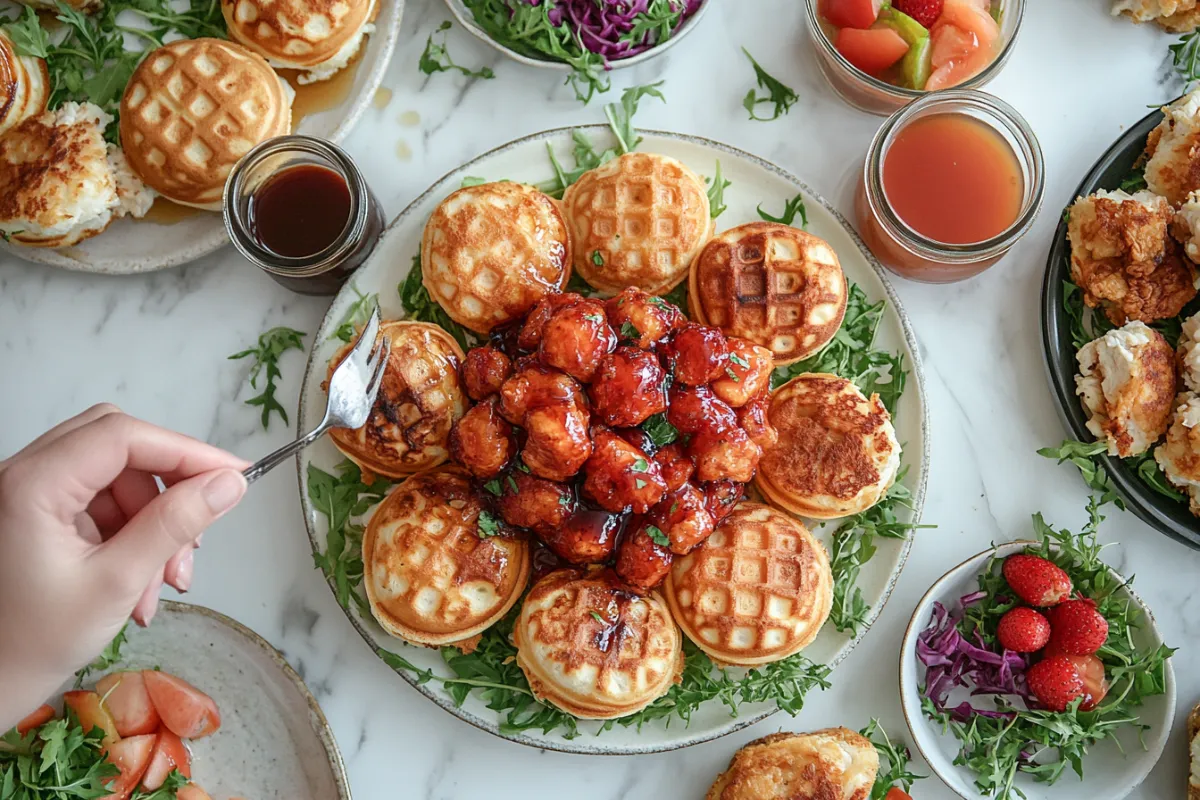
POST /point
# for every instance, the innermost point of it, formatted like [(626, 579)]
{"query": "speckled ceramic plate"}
[(754, 181), (467, 19), (274, 742), (132, 246), (1109, 773)]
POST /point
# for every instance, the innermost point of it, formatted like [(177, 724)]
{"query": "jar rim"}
[(299, 266), (993, 112)]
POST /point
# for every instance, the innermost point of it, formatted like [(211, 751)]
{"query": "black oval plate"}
[(1169, 516)]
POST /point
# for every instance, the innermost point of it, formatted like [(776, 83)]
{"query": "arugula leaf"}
[(488, 525), (343, 499), (893, 762), (777, 94), (620, 117), (28, 35), (356, 315), (657, 536), (790, 209), (1185, 57), (271, 345), (661, 432), (1083, 456), (436, 58), (56, 761), (108, 657), (716, 192), (418, 305), (1135, 181), (168, 791)]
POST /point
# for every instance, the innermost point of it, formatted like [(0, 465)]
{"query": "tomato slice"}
[(872, 50), (125, 696), (170, 753), (185, 710), (192, 792), (37, 719), (92, 714), (131, 756), (896, 793)]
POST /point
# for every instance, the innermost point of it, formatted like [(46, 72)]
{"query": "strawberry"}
[(925, 12), (1036, 580), (1055, 682), (1095, 685), (1077, 628), (1023, 630)]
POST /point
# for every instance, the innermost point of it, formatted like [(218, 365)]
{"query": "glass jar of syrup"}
[(299, 209)]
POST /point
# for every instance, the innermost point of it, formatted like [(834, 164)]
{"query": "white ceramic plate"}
[(132, 246), (1108, 774), (274, 742), (467, 19), (754, 181)]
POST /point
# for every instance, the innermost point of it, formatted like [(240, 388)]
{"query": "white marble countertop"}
[(156, 345)]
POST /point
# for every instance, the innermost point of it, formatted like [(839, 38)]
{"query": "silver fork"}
[(352, 391)]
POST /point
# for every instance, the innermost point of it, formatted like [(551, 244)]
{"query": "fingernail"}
[(183, 574), (224, 490), (196, 544), (144, 617)]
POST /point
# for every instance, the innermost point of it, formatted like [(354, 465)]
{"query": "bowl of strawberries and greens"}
[(1032, 660), (880, 55)]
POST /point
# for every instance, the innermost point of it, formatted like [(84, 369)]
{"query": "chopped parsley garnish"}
[(641, 484), (674, 507), (521, 466), (733, 376), (564, 500), (488, 525), (596, 616), (512, 484), (472, 180), (657, 536), (597, 258), (271, 345), (493, 487), (790, 209), (661, 432), (777, 94), (739, 360), (594, 318), (629, 332), (641, 465), (716, 192), (436, 58)]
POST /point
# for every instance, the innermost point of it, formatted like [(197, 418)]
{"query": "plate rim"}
[(1153, 509), (317, 720), (219, 237), (1170, 695), (919, 491), (465, 18)]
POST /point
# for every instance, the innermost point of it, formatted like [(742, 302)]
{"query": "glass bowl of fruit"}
[(879, 56)]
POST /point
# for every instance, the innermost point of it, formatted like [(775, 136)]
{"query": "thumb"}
[(168, 522)]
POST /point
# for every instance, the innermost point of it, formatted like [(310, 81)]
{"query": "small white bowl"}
[(467, 20), (1107, 774)]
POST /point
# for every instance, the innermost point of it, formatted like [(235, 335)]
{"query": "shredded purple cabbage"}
[(951, 661), (603, 24)]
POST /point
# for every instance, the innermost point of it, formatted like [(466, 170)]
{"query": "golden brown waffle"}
[(24, 85), (758, 591), (771, 284), (637, 220), (420, 399), (193, 108), (830, 764), (296, 33), (837, 452), (594, 649), (1193, 744), (489, 252), (429, 578)]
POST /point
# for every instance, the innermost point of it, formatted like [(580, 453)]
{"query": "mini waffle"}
[(430, 579), (771, 284), (637, 220), (758, 591), (830, 764), (837, 452), (594, 649), (420, 399), (489, 252), (300, 34), (193, 108), (24, 85)]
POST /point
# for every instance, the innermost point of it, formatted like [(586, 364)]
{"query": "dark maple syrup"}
[(300, 211)]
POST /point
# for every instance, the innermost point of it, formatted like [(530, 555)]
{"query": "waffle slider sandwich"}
[(758, 591), (24, 85), (430, 579), (489, 252), (318, 37), (637, 220), (593, 648), (420, 398), (60, 182), (193, 108), (772, 284), (1193, 733), (837, 452), (830, 764)]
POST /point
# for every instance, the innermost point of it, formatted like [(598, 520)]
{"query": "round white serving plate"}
[(467, 20), (1108, 775), (131, 246), (754, 181), (274, 743)]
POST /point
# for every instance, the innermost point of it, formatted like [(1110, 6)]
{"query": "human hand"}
[(87, 540)]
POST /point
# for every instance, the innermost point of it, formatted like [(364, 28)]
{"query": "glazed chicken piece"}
[(747, 375), (638, 438), (642, 319), (531, 332), (628, 388), (684, 517), (642, 562), (724, 455), (534, 385), (721, 497), (531, 502), (676, 467), (696, 354), (482, 441), (697, 408), (557, 442), (618, 476), (753, 419), (586, 537), (484, 371), (576, 338)]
